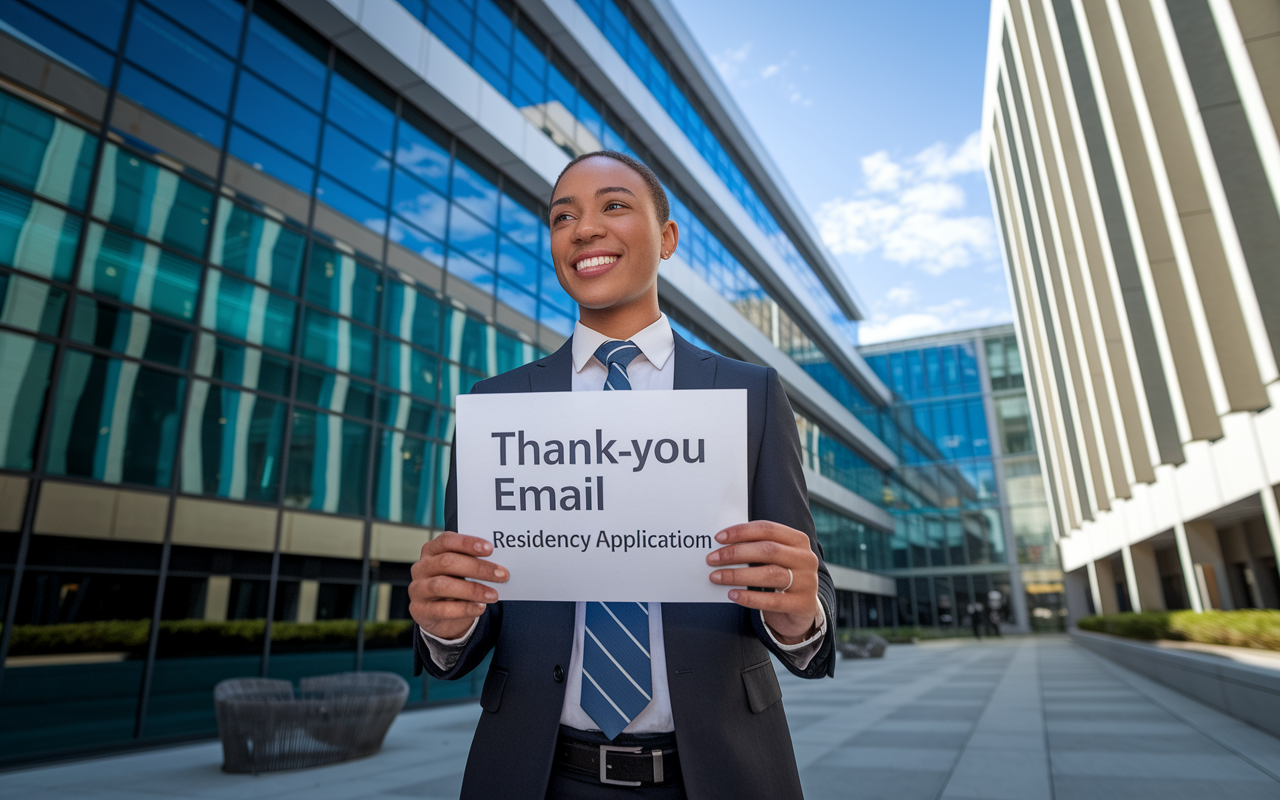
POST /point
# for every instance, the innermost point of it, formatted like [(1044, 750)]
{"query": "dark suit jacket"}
[(730, 726)]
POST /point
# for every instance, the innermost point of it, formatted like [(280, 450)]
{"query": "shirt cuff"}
[(444, 652), (801, 653)]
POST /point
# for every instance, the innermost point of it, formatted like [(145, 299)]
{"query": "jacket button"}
[(558, 674)]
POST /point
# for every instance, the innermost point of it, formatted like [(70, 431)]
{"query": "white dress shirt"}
[(652, 370)]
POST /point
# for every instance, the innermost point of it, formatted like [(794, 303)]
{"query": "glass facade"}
[(978, 481)]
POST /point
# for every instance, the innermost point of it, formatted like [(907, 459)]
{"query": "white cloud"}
[(950, 316), (912, 212), (770, 71), (902, 295), (729, 63)]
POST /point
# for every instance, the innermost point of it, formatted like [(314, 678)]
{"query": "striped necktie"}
[(617, 679)]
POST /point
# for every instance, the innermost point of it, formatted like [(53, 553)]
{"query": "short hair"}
[(661, 206)]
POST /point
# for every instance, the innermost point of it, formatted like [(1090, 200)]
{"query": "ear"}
[(670, 238)]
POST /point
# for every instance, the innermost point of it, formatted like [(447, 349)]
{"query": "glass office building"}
[(250, 253), (989, 528)]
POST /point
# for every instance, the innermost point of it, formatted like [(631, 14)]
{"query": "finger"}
[(460, 565), (445, 587), (450, 541), (442, 610), (764, 552), (781, 602), (761, 530), (769, 576)]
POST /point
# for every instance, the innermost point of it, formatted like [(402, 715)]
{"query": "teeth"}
[(598, 261)]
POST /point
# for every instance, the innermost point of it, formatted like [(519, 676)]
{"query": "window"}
[(24, 380), (232, 444)]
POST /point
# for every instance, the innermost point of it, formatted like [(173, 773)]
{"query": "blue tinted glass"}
[(472, 237), (248, 311), (495, 18), (215, 20), (36, 237), (43, 154), (474, 193), (416, 241), (951, 371), (425, 208), (517, 265), (354, 205), (370, 121), (466, 340), (978, 427), (590, 118), (455, 41), (969, 369), (115, 421), (512, 353), (98, 19), (495, 75), (338, 343), (31, 305), (242, 365), (340, 283), (520, 223), (409, 370), (462, 267), (328, 462), (137, 195), (24, 372), (257, 247), (130, 333), (186, 62), (260, 155), (518, 299), (282, 120), (412, 315), (355, 165), (530, 56), (555, 320), (423, 156), (71, 48), (172, 105), (457, 12), (406, 476), (289, 65), (529, 88), (933, 372), (335, 392), (133, 271), (231, 447)]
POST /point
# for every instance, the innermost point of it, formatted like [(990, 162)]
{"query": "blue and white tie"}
[(617, 679)]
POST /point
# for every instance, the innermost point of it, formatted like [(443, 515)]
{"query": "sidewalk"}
[(1013, 719)]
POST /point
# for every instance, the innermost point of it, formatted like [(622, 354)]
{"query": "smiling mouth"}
[(597, 261)]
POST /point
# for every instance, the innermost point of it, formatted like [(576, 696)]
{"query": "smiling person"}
[(707, 719)]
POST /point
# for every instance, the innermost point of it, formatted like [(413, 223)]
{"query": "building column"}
[(217, 593), (1188, 568), (1145, 577), (1106, 578), (1210, 567), (1131, 580), (1271, 514), (308, 599), (1076, 583), (1094, 593)]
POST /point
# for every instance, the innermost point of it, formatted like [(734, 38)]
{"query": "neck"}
[(621, 322)]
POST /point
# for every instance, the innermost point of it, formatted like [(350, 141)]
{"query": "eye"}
[(560, 218), (613, 205)]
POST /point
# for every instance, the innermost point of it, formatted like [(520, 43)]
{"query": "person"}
[(703, 716), (975, 618)]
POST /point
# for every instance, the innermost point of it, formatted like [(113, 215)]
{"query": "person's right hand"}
[(441, 599)]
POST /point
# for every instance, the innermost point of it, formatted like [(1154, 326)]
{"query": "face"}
[(606, 240)]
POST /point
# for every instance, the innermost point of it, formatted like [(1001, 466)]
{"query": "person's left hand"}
[(774, 548)]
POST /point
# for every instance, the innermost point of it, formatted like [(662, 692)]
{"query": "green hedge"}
[(1259, 629), (192, 637)]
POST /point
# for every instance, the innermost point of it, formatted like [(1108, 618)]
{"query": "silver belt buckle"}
[(605, 749)]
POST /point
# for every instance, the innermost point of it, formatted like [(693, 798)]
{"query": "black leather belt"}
[(620, 765)]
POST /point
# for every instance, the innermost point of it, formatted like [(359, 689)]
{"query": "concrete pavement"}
[(1015, 719)]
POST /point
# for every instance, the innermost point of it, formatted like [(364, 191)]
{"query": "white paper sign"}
[(613, 496)]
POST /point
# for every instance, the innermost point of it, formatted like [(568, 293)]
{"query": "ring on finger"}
[(791, 578)]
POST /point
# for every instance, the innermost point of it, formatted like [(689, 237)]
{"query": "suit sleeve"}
[(781, 495)]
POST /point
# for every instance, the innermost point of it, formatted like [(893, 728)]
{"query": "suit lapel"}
[(695, 369), (555, 372)]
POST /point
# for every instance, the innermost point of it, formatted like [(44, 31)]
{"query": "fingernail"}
[(714, 558), (500, 573), (733, 595), (722, 537), (482, 547), (715, 576), (490, 596)]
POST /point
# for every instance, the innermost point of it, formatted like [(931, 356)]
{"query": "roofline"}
[(1005, 329)]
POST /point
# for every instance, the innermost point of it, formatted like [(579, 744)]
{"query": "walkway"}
[(1019, 719)]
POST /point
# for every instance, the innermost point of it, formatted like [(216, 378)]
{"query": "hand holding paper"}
[(441, 599), (781, 559)]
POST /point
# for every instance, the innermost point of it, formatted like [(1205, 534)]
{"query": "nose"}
[(589, 227)]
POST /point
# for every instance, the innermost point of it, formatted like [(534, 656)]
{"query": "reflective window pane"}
[(43, 154), (361, 106), (277, 117), (172, 104), (409, 370), (340, 283), (355, 165), (133, 271), (153, 202), (265, 157), (31, 305), (114, 421), (422, 153), (472, 237), (328, 462), (216, 20), (412, 315), (406, 475), (417, 242), (337, 343), (248, 311), (242, 365), (475, 191), (36, 237), (351, 203), (163, 48), (24, 380), (129, 333), (406, 413), (232, 443), (292, 57), (521, 224), (75, 49), (257, 247), (415, 203), (335, 392)]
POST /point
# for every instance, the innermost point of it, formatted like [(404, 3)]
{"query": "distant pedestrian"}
[(975, 618)]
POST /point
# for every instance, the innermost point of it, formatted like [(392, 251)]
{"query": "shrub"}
[(1149, 625), (1255, 628)]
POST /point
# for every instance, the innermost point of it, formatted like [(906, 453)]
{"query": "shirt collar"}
[(656, 342)]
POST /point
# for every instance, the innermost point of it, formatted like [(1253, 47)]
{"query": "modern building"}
[(1135, 173), (251, 251), (965, 392)]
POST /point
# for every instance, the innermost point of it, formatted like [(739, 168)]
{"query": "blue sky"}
[(871, 110)]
